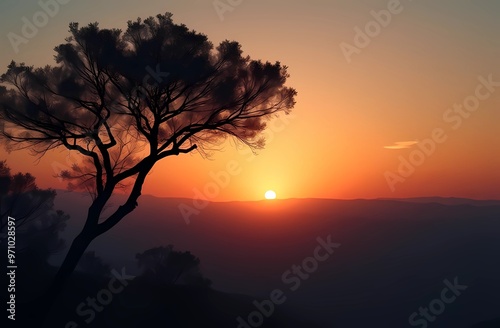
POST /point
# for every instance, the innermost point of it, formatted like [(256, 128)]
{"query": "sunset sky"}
[(357, 115)]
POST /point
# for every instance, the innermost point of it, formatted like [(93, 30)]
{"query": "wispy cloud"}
[(402, 144)]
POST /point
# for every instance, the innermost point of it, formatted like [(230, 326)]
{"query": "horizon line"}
[(300, 198)]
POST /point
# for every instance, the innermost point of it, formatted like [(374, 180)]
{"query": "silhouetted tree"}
[(21, 198), (165, 266), (158, 87), (38, 224)]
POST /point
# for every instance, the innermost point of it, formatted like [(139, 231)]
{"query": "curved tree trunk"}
[(90, 231), (46, 301)]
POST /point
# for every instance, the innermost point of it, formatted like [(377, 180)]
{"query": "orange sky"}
[(396, 89)]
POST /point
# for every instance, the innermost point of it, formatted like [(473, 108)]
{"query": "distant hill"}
[(447, 201), (393, 258)]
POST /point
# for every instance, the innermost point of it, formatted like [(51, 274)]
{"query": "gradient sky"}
[(353, 122)]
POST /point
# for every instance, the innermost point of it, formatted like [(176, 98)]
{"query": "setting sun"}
[(136, 141), (270, 194)]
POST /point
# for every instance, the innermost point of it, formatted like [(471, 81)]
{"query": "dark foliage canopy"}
[(125, 98)]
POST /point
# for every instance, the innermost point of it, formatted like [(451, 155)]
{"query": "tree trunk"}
[(90, 231), (47, 300)]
